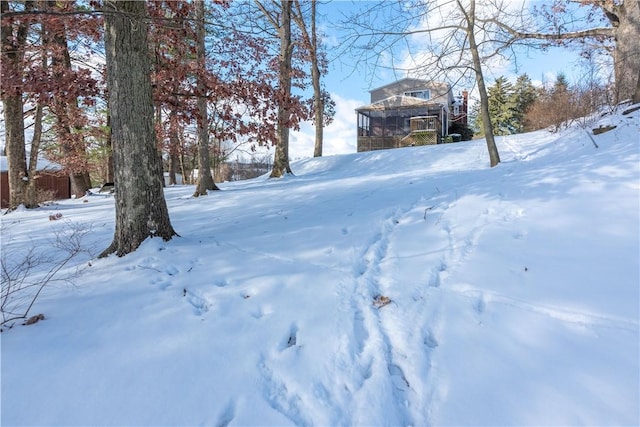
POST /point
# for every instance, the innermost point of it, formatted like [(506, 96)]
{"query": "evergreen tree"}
[(475, 119), (502, 107), (524, 94), (561, 85), (508, 104)]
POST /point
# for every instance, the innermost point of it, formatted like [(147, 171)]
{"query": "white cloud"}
[(340, 137)]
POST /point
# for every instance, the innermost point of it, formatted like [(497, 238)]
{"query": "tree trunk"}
[(494, 157), (626, 56), (141, 210), (318, 100), (12, 54), (174, 147), (205, 180), (174, 169), (66, 111), (31, 193), (109, 146), (16, 154), (281, 157), (624, 18), (636, 95), (311, 39)]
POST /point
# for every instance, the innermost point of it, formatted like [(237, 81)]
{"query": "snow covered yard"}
[(514, 296)]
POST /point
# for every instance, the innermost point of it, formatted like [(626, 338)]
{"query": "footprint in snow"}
[(292, 337), (221, 283), (227, 415), (397, 377), (480, 305), (429, 340), (200, 305), (161, 283)]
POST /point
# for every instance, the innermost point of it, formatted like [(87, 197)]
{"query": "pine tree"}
[(502, 107), (524, 94)]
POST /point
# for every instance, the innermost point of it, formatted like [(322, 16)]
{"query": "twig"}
[(590, 137), (425, 212)]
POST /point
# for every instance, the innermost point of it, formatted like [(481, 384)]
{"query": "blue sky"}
[(349, 82)]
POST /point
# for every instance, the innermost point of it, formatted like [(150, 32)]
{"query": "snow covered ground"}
[(514, 296)]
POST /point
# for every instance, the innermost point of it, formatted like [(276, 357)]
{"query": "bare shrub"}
[(26, 272)]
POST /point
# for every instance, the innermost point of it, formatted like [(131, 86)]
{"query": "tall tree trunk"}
[(311, 39), (281, 157), (16, 154), (159, 142), (12, 55), (31, 193), (66, 111), (109, 147), (636, 95), (625, 19), (141, 210), (318, 100), (494, 157), (174, 147), (205, 180)]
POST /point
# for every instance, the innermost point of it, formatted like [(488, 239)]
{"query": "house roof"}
[(399, 101), (406, 79), (43, 165)]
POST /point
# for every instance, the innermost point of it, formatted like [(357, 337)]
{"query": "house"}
[(51, 181), (409, 112)]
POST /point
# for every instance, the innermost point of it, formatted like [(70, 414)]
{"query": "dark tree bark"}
[(205, 180), (626, 55), (281, 159), (141, 210), (174, 149), (636, 95), (11, 54), (109, 146)]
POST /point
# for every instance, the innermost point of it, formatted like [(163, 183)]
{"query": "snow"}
[(514, 289), (43, 164)]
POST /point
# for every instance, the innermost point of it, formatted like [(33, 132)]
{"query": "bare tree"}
[(469, 19), (435, 40), (141, 210), (205, 180), (310, 37), (280, 18), (620, 36)]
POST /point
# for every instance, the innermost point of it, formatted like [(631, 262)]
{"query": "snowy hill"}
[(514, 296)]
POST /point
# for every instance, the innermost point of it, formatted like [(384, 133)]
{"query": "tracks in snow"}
[(385, 353)]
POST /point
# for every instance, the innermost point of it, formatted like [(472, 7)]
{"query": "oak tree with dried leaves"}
[(141, 210)]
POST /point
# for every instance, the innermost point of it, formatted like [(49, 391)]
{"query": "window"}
[(422, 94), (363, 125)]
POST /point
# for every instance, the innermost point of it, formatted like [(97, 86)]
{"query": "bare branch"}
[(592, 32)]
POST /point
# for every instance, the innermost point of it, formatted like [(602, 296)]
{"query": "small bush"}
[(25, 273)]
